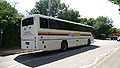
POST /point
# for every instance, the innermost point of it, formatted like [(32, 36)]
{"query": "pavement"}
[(16, 51), (111, 61)]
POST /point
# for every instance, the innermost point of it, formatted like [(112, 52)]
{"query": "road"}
[(79, 57)]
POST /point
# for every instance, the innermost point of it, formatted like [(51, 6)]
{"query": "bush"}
[(11, 37), (102, 36)]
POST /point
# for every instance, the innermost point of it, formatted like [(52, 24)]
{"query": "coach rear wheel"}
[(64, 46), (88, 42)]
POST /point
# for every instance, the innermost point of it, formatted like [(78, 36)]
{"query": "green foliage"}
[(58, 9), (70, 15), (41, 7), (8, 15), (115, 1), (113, 30), (86, 21), (102, 26), (83, 20), (10, 21), (102, 36), (11, 37), (118, 30)]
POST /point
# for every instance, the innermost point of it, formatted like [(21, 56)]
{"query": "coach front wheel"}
[(64, 46), (88, 42)]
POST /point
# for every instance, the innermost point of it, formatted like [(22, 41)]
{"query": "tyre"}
[(64, 46), (89, 42)]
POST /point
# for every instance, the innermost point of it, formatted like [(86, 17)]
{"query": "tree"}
[(71, 15), (118, 30), (102, 26), (113, 30), (8, 15), (41, 7), (58, 9), (90, 21), (10, 21), (115, 1), (83, 20)]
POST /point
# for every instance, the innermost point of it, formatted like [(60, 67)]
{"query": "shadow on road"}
[(42, 58)]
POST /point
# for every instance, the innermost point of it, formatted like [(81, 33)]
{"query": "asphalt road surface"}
[(78, 57)]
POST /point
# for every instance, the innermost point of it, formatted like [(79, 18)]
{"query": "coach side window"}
[(43, 23), (53, 24)]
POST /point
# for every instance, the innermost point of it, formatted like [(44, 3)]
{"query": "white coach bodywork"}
[(35, 38)]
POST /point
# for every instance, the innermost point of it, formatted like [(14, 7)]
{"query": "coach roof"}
[(43, 16)]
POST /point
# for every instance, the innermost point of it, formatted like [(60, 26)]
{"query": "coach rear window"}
[(28, 21)]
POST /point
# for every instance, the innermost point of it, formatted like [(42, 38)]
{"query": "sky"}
[(86, 8)]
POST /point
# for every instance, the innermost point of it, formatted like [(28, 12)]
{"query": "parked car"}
[(118, 39)]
